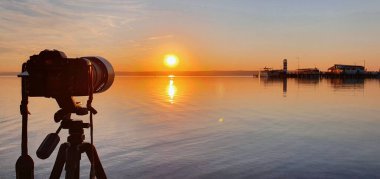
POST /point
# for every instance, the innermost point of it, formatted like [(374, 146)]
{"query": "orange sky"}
[(205, 35)]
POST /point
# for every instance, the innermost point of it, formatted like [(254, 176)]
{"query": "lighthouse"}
[(285, 66)]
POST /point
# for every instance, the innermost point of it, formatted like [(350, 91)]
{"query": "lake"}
[(213, 127)]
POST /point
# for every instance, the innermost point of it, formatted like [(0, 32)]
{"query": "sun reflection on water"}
[(171, 89)]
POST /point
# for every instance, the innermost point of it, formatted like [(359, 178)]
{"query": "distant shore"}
[(223, 73)]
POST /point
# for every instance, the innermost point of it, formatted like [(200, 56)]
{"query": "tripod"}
[(70, 153)]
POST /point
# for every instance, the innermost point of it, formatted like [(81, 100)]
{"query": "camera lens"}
[(103, 73)]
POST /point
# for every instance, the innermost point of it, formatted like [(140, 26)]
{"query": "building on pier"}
[(347, 69)]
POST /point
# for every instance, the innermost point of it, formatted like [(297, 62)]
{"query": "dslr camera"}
[(52, 74)]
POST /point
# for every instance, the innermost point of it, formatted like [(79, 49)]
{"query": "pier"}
[(328, 75), (336, 71)]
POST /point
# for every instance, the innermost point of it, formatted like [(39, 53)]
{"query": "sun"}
[(171, 60)]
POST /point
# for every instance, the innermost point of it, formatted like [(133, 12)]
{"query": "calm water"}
[(214, 127)]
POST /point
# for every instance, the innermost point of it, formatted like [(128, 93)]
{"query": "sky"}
[(135, 35)]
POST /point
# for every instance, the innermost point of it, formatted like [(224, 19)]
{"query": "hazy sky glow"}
[(205, 35)]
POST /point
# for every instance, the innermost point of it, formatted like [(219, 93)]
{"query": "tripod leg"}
[(59, 162), (94, 158), (73, 156)]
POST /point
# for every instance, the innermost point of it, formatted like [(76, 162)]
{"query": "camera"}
[(52, 74)]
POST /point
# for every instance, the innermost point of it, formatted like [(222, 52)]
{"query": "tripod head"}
[(75, 128), (69, 106), (74, 125)]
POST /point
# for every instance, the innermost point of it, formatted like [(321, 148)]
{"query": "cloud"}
[(77, 27), (161, 37), (5, 50), (28, 24)]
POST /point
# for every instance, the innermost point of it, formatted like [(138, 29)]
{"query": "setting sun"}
[(171, 60)]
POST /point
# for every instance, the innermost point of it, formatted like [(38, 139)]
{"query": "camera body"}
[(52, 74)]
